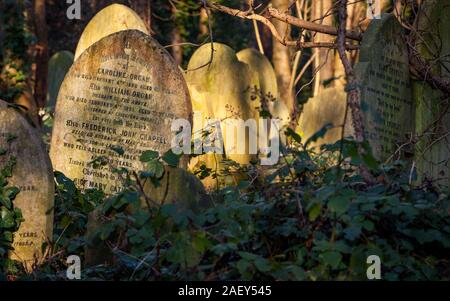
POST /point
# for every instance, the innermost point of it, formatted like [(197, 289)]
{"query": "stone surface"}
[(58, 66), (221, 91), (432, 111), (179, 187), (125, 90), (109, 20), (328, 107), (33, 175), (386, 89), (262, 68)]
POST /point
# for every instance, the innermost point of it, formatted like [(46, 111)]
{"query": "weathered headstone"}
[(386, 89), (220, 90), (113, 18), (432, 111), (327, 108), (123, 91), (268, 87), (33, 175), (58, 66), (177, 186)]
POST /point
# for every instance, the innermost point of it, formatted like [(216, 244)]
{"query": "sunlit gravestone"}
[(326, 110), (432, 110), (267, 89), (221, 92), (123, 92), (386, 89), (58, 66), (32, 174), (113, 18)]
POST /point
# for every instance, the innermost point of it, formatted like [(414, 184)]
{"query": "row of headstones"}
[(125, 90), (122, 89), (401, 114)]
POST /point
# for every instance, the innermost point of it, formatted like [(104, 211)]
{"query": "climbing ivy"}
[(14, 61), (10, 216)]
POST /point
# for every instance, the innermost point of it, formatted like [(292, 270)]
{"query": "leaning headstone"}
[(113, 18), (386, 99), (123, 92), (58, 66), (33, 175), (220, 90), (432, 111), (327, 108)]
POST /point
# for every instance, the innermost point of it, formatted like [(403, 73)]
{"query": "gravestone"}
[(268, 86), (432, 111), (111, 19), (220, 90), (327, 108), (33, 175), (386, 89), (123, 91), (58, 66)]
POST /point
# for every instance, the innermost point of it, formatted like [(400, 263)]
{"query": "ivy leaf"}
[(319, 134), (118, 149), (332, 259), (156, 169), (5, 201), (148, 156), (339, 204), (12, 192), (171, 159), (314, 212)]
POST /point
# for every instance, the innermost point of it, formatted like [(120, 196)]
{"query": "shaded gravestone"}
[(33, 175), (177, 186), (123, 91), (113, 18), (327, 108), (58, 66), (386, 100), (221, 91), (432, 111)]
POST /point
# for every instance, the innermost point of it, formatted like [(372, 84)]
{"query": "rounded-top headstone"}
[(111, 19), (58, 66), (33, 175), (262, 68), (124, 91), (386, 99), (221, 89), (327, 108)]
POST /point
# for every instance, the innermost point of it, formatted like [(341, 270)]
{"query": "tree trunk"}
[(144, 9), (322, 13), (40, 86), (177, 50), (203, 26), (281, 57)]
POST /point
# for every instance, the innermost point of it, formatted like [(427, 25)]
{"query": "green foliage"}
[(14, 61), (307, 219), (10, 216)]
